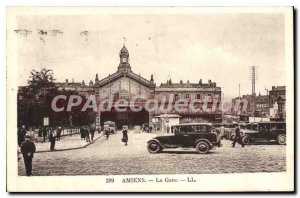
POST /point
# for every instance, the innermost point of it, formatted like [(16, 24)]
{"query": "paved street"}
[(111, 157)]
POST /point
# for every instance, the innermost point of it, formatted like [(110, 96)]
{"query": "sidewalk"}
[(66, 143)]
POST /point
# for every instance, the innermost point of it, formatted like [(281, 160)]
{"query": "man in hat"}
[(92, 131), (59, 130), (222, 131), (52, 138), (238, 137), (28, 149), (87, 134)]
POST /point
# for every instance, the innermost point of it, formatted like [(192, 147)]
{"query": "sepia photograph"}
[(110, 99)]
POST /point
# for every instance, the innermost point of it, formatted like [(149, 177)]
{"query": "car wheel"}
[(154, 147), (228, 136), (246, 139), (281, 139), (202, 147)]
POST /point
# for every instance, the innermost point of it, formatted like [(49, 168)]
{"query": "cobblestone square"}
[(111, 157)]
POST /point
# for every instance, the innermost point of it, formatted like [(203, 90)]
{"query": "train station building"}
[(125, 84)]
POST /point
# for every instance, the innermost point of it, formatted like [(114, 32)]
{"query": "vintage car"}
[(111, 125), (265, 132), (192, 135)]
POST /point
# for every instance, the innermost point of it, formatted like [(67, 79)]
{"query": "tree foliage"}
[(34, 103)]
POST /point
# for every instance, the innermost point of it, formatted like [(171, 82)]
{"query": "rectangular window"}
[(198, 96), (176, 97), (187, 96)]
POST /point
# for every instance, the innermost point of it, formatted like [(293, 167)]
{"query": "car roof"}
[(270, 122), (193, 124)]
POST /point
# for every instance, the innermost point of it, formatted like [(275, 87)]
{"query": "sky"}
[(220, 47)]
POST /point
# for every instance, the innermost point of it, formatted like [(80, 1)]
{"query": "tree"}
[(41, 81), (32, 99), (34, 103)]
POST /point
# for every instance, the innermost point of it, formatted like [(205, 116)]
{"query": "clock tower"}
[(124, 65)]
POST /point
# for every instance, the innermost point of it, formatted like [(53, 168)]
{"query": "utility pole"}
[(253, 74), (253, 71)]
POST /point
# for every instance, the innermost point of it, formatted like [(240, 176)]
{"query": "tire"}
[(154, 147), (228, 136), (246, 139), (281, 139), (202, 147)]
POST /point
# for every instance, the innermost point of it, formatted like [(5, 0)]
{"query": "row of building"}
[(272, 105)]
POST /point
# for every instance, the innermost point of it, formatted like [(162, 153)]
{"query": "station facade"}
[(124, 85)]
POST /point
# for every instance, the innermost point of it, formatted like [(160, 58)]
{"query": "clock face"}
[(124, 60)]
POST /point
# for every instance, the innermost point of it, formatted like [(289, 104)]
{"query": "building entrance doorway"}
[(128, 117)]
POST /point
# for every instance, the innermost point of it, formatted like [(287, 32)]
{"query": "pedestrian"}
[(21, 135), (238, 137), (168, 128), (31, 133), (40, 132), (58, 133), (222, 131), (82, 133), (52, 138), (92, 131), (87, 134), (44, 133), (28, 149), (107, 131), (125, 135)]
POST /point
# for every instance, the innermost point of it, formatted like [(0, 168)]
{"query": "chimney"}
[(200, 82)]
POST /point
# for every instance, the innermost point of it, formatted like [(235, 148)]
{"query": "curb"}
[(74, 148)]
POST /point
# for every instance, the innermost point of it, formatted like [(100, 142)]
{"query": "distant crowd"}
[(42, 133), (87, 133)]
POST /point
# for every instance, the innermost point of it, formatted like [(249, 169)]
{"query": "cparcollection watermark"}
[(138, 103)]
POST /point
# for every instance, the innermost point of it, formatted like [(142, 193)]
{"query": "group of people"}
[(34, 132), (87, 133)]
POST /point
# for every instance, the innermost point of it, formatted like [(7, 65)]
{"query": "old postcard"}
[(150, 99)]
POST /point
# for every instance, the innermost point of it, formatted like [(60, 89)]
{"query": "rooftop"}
[(278, 88)]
